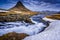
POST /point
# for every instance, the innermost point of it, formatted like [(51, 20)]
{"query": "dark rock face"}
[(13, 36)]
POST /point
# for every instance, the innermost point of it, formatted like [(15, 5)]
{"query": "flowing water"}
[(22, 27)]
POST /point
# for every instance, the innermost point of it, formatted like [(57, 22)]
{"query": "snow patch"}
[(50, 20), (51, 33)]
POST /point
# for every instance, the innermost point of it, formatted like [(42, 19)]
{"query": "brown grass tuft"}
[(13, 36), (55, 16)]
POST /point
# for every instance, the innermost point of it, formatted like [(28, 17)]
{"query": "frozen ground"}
[(50, 20), (50, 33)]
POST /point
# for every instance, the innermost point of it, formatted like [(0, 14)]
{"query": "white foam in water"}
[(30, 29), (22, 27)]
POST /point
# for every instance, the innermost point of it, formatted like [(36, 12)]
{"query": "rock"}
[(13, 36)]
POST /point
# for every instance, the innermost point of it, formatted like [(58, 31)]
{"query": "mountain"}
[(17, 13), (3, 10), (19, 7)]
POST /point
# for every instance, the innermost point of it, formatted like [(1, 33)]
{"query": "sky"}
[(34, 5)]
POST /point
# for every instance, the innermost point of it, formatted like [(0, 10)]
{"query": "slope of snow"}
[(51, 33), (50, 20), (3, 11)]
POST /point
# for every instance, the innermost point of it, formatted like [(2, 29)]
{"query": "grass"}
[(55, 16), (12, 16), (13, 36), (17, 13)]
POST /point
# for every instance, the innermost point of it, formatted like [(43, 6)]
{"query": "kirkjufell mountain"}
[(17, 13), (19, 7)]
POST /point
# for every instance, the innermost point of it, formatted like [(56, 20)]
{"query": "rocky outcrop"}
[(13, 36)]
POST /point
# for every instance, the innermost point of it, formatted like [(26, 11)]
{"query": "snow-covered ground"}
[(52, 32), (50, 20), (3, 11)]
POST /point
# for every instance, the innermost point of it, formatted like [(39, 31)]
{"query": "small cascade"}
[(22, 27)]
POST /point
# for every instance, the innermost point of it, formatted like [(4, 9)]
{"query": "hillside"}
[(55, 16), (20, 8), (17, 13)]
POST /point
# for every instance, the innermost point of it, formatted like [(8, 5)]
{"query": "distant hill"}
[(3, 10)]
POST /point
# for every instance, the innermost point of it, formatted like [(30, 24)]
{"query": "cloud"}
[(35, 5), (41, 5)]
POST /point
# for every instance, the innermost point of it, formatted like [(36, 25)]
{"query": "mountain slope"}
[(55, 16), (19, 7), (17, 13)]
